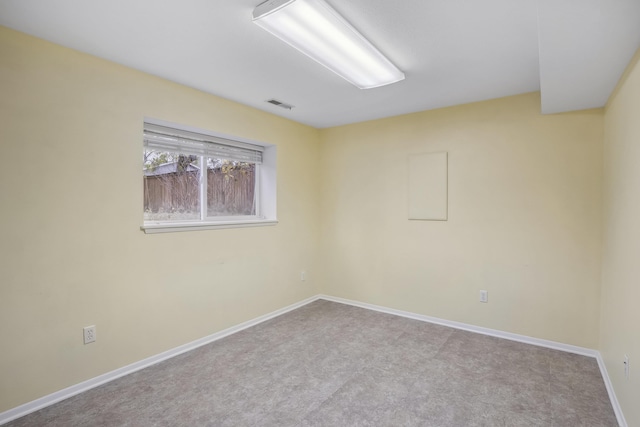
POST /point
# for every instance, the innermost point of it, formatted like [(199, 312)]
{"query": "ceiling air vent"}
[(280, 104)]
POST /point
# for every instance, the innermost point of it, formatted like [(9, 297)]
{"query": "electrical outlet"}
[(625, 361), (484, 296), (89, 334), (303, 275)]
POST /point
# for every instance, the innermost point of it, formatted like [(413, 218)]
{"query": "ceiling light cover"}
[(318, 31)]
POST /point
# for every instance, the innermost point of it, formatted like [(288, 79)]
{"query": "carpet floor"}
[(330, 364)]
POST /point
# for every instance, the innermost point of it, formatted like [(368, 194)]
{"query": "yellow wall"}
[(71, 250), (620, 327), (524, 217), (525, 222)]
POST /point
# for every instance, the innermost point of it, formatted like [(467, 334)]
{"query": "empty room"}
[(320, 213)]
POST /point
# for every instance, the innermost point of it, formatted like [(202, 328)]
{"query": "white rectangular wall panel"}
[(428, 186)]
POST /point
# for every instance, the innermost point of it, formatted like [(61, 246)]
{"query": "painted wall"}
[(524, 217), (525, 221), (71, 251), (620, 327)]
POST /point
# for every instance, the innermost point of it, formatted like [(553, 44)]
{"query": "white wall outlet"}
[(626, 366), (89, 334), (484, 296), (303, 275)]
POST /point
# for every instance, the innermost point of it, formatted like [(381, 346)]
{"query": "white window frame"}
[(265, 186)]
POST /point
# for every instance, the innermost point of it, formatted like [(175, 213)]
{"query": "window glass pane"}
[(230, 187), (171, 186)]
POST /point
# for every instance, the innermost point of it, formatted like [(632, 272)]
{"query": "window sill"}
[(172, 227)]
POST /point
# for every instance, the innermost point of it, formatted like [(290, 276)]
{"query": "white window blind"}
[(164, 138)]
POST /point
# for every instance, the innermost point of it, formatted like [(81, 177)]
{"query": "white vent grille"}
[(280, 104)]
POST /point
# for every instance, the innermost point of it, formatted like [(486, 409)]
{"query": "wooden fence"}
[(228, 193)]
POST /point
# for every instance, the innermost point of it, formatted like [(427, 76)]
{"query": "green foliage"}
[(153, 159), (230, 168)]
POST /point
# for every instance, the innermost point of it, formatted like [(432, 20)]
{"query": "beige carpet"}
[(329, 364)]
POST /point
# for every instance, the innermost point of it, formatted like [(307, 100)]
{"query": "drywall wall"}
[(71, 250), (619, 334), (524, 217)]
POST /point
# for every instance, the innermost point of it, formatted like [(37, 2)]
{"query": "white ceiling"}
[(452, 51), (585, 46)]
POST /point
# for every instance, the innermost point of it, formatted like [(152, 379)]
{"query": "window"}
[(194, 180)]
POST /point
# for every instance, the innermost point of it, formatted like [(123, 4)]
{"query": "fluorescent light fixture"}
[(318, 31)]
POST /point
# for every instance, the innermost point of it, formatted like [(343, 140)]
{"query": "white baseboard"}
[(500, 334), (467, 327), (68, 392), (612, 394)]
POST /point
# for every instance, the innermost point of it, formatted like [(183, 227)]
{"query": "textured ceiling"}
[(452, 52)]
